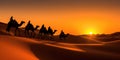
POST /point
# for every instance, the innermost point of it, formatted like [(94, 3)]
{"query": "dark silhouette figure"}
[(43, 32), (63, 35), (29, 27), (51, 32), (13, 23), (9, 24)]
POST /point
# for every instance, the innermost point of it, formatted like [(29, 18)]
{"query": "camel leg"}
[(60, 37), (40, 35), (25, 32), (51, 37), (30, 35), (34, 35), (19, 32), (45, 37), (15, 31)]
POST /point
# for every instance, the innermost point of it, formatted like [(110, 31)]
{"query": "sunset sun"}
[(91, 30), (90, 33)]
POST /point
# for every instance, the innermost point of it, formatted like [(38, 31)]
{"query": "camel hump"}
[(45, 28), (49, 29), (30, 25), (62, 32), (14, 21)]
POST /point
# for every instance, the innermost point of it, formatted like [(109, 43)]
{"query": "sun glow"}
[(90, 33)]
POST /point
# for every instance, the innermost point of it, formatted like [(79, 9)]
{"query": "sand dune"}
[(17, 48), (12, 48), (22, 48)]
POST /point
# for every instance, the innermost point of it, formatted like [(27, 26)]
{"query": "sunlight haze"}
[(73, 16)]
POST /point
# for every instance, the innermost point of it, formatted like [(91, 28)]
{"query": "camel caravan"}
[(29, 30)]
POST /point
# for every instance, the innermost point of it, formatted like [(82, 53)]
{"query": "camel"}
[(13, 23), (46, 34), (29, 28), (50, 32), (63, 35), (43, 32)]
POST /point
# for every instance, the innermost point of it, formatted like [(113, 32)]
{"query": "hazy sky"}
[(72, 16)]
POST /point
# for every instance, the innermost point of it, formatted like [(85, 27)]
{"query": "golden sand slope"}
[(14, 48)]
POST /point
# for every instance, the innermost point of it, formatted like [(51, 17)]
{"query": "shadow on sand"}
[(47, 52)]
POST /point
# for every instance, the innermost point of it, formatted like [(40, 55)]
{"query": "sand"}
[(12, 48), (22, 48)]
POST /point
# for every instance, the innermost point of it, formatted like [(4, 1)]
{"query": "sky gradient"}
[(73, 16)]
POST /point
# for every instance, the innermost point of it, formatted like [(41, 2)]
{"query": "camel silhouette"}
[(13, 23), (43, 32), (50, 32), (63, 36), (46, 34), (29, 27)]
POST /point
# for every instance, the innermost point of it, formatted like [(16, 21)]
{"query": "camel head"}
[(54, 31), (67, 34), (36, 27), (22, 22)]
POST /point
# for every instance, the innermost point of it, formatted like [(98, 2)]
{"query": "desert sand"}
[(22, 48)]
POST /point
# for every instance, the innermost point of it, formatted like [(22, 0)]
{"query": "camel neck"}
[(36, 28), (54, 31), (20, 24)]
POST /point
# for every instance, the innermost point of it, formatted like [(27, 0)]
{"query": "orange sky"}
[(72, 17)]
